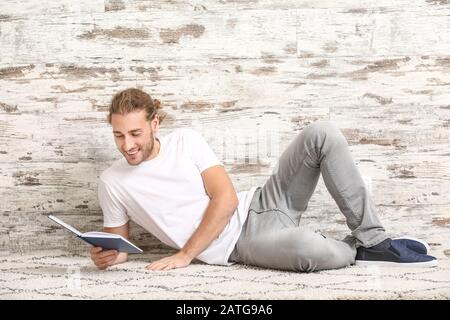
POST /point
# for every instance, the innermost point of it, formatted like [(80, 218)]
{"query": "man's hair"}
[(131, 100)]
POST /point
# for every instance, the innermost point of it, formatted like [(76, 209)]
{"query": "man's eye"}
[(119, 136), (136, 134)]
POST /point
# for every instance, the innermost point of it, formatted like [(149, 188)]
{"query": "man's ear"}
[(155, 123)]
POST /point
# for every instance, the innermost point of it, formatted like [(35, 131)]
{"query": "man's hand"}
[(103, 259), (178, 260)]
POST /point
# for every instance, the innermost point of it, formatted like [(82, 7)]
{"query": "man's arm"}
[(124, 231), (220, 209), (103, 259)]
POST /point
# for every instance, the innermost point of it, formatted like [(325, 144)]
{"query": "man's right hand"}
[(103, 259)]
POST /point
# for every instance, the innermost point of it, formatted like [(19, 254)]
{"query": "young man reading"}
[(176, 188)]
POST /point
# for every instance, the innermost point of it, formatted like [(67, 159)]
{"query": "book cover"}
[(108, 241)]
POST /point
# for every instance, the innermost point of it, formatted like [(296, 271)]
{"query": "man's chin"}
[(133, 161)]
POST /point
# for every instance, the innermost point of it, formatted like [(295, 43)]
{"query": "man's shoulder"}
[(182, 136), (185, 132), (109, 173)]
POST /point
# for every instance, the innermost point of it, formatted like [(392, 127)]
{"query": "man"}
[(176, 188)]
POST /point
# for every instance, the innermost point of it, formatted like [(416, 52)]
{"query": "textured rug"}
[(58, 275)]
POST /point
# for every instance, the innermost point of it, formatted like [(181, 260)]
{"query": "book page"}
[(65, 225), (101, 234)]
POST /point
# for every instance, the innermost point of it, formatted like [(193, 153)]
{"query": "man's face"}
[(134, 136)]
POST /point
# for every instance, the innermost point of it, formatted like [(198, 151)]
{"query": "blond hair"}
[(133, 99)]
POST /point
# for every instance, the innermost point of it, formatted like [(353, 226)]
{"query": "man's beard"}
[(144, 151)]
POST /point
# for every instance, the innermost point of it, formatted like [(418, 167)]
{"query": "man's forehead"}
[(130, 131), (129, 122)]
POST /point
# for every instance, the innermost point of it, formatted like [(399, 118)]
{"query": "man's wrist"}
[(186, 254)]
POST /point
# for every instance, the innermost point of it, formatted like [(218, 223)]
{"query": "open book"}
[(108, 241)]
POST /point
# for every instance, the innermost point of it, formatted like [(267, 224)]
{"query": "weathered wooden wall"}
[(248, 74)]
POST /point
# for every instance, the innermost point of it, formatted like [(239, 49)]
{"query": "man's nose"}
[(128, 143)]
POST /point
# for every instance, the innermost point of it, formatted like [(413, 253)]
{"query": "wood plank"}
[(144, 36), (409, 30), (306, 32), (29, 232), (68, 115), (400, 179), (413, 220), (12, 10), (237, 5), (235, 85)]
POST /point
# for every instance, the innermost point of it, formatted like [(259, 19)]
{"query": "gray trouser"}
[(271, 236)]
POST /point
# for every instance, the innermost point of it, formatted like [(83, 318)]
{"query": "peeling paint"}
[(13, 72), (445, 62), (380, 141), (321, 64), (305, 54), (438, 2), (82, 119), (401, 171), (357, 11), (118, 33), (26, 179), (441, 222), (231, 23), (290, 49), (263, 71), (330, 47), (63, 89), (378, 98), (425, 92), (321, 76), (270, 58), (154, 75), (174, 35), (231, 110), (229, 104), (253, 168), (196, 105), (86, 72), (5, 17), (114, 5), (8, 108), (377, 66)]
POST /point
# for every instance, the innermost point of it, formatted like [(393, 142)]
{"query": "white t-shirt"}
[(166, 195)]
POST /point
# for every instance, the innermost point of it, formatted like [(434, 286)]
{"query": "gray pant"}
[(271, 236)]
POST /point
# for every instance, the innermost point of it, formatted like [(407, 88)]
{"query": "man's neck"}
[(156, 148)]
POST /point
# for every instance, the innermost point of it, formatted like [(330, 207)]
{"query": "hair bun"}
[(157, 103)]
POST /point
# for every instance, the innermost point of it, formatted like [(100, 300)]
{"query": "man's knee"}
[(320, 255), (324, 129)]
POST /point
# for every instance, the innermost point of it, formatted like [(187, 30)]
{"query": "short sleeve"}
[(114, 213), (202, 154)]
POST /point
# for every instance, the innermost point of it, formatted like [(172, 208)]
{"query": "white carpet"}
[(58, 275)]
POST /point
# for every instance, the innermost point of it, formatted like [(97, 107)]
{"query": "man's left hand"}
[(178, 260)]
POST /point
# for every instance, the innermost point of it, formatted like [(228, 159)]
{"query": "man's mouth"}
[(132, 153)]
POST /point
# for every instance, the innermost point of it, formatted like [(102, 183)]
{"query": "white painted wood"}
[(248, 75), (145, 36), (373, 32)]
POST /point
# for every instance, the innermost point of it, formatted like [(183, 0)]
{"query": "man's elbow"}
[(232, 202)]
